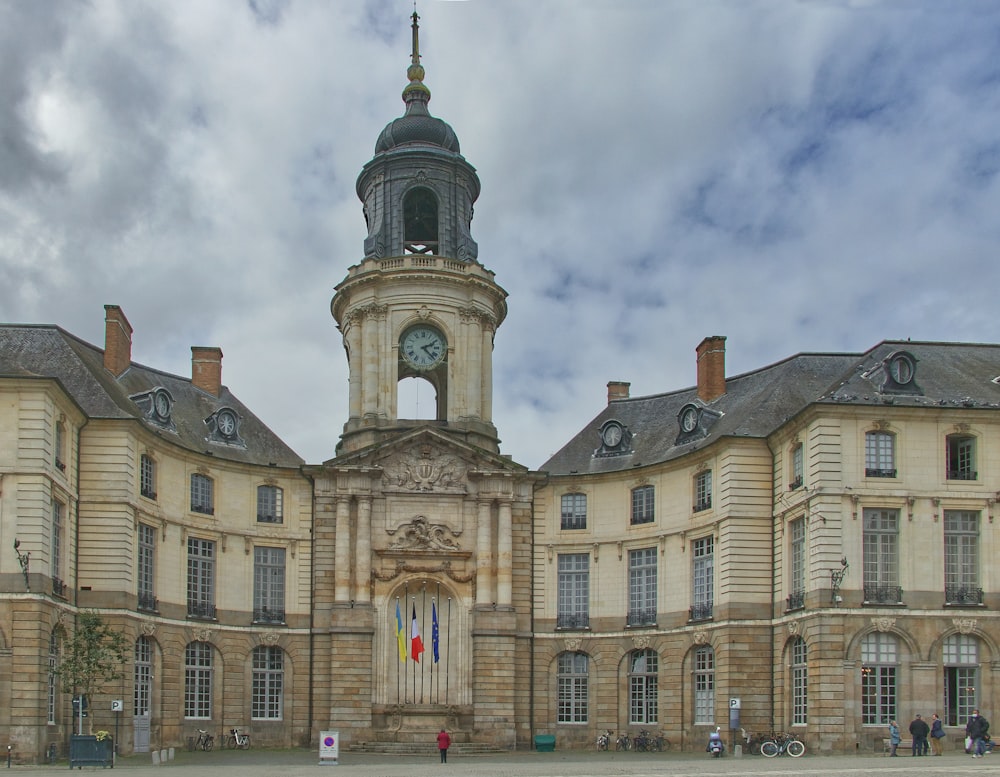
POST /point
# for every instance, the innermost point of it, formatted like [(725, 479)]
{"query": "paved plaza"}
[(573, 763)]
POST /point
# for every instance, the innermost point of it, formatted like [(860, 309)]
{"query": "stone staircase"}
[(424, 748)]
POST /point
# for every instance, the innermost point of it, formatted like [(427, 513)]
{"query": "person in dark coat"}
[(919, 731), (937, 733), (977, 728)]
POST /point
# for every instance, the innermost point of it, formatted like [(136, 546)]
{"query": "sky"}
[(795, 176)]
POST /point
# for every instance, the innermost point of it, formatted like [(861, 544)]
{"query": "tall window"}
[(881, 556), (147, 476), (269, 507), (798, 469), (642, 587), (880, 455), (643, 687), (145, 568), (573, 602), (201, 578), (797, 564), (574, 511), (143, 677), (53, 677), (703, 490), (961, 457), (58, 528), (961, 678), (60, 444), (961, 557), (202, 494), (800, 682), (704, 685), (572, 687), (268, 683), (420, 222), (702, 577), (269, 585), (878, 679), (198, 680), (642, 504)]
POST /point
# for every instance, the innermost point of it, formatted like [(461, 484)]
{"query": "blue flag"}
[(434, 631)]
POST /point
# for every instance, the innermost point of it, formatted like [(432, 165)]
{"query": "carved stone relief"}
[(421, 534), (883, 624), (424, 468)]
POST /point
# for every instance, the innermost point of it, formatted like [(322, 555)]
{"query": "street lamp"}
[(24, 559)]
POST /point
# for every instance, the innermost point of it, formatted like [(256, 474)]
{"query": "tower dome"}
[(417, 125)]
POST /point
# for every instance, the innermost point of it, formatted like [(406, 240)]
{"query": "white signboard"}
[(734, 703), (329, 747)]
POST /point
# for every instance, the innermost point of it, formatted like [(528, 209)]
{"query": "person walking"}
[(937, 733), (919, 731), (976, 729), (894, 738), (444, 742)]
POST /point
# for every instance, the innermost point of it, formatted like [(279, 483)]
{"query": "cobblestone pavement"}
[(572, 763)]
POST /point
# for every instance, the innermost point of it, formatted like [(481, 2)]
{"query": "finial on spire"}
[(415, 72), (415, 57)]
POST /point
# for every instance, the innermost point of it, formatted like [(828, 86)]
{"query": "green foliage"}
[(94, 654)]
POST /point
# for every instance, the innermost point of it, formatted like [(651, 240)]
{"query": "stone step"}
[(423, 748)]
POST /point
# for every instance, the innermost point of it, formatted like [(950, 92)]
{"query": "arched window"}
[(879, 659), (572, 681), (961, 678), (268, 683), (800, 682), (198, 681), (643, 687), (704, 685), (420, 222)]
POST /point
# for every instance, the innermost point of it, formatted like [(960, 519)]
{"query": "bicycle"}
[(642, 742), (786, 743), (604, 740), (622, 743), (236, 739), (659, 743), (205, 741)]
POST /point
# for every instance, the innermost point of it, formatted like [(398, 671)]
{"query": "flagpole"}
[(396, 630), (447, 658), (423, 617)]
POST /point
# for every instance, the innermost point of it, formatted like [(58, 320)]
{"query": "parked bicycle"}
[(623, 742), (786, 743), (205, 740), (235, 739), (646, 742), (753, 742), (604, 740)]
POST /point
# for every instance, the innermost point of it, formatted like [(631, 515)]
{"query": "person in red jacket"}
[(444, 742)]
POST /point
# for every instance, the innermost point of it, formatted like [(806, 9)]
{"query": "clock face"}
[(162, 404), (612, 435), (689, 419), (227, 423), (423, 347)]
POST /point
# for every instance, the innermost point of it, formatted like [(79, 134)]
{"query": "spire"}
[(416, 95)]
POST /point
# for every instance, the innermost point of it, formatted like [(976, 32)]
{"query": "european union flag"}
[(434, 631)]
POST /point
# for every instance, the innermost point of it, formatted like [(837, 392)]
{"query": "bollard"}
[(170, 754), (738, 751), (156, 758)]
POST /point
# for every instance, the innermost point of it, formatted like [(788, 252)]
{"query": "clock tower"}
[(419, 304), (421, 590)]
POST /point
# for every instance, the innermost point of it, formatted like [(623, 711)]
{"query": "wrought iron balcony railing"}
[(962, 474), (641, 618), (875, 472), (796, 601), (700, 612), (963, 594), (147, 602), (201, 610), (268, 615), (883, 594), (58, 587), (704, 504), (573, 620)]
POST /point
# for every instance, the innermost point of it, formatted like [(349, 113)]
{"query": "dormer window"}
[(156, 406), (224, 427), (161, 405), (420, 222), (900, 371), (615, 439)]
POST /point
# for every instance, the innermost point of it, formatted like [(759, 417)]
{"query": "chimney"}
[(617, 389), (117, 340), (206, 369), (711, 368)]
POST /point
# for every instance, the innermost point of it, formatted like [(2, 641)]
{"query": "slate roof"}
[(758, 403), (49, 352)]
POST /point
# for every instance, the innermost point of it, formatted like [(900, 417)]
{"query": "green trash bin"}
[(545, 743)]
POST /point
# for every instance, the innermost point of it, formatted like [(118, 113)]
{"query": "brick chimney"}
[(206, 369), (617, 389), (117, 340), (711, 368)]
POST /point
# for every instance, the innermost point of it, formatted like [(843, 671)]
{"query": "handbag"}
[(968, 744)]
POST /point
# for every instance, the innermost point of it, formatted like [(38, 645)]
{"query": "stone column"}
[(505, 573), (352, 334), (484, 555), (363, 556), (342, 550)]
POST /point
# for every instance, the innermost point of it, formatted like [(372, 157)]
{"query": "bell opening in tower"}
[(417, 400), (420, 222)]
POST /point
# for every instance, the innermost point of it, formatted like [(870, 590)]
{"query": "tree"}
[(93, 656)]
